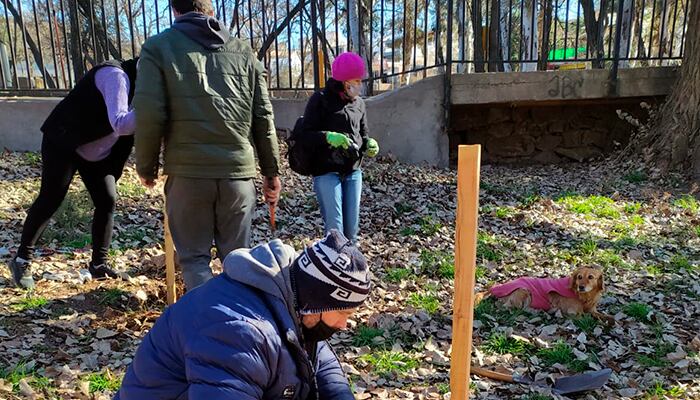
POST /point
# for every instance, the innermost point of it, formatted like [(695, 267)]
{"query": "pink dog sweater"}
[(539, 289)]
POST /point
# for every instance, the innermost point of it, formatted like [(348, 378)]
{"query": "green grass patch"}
[(32, 376), (586, 323), (504, 212), (429, 225), (428, 302), (625, 242), (72, 221), (103, 381), (621, 229), (408, 231), (635, 176), (387, 363), (501, 344), (632, 208), (131, 237), (437, 262), (638, 311), (31, 159), (609, 258), (364, 336), (480, 272), (30, 302), (636, 220), (655, 270), (529, 199), (396, 275), (563, 354), (588, 247), (112, 297), (487, 247), (679, 262), (657, 359), (599, 206), (130, 188), (443, 387), (658, 391), (687, 202)]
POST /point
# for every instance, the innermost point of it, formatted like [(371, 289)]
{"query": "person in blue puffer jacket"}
[(258, 330)]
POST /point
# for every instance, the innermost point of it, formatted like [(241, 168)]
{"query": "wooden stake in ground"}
[(468, 172), (169, 261)]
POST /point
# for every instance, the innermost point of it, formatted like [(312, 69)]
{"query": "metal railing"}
[(47, 45)]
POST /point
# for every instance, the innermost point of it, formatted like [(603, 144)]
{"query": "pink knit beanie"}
[(348, 66)]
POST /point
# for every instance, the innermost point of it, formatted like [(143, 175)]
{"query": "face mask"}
[(354, 90), (318, 332)]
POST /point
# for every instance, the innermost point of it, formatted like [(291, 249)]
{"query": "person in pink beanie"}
[(336, 116)]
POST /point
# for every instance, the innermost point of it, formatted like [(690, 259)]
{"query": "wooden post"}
[(169, 261), (468, 168), (321, 69)]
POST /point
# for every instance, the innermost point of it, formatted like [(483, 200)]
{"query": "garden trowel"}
[(273, 223), (566, 385)]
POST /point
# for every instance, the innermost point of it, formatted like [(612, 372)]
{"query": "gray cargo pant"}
[(201, 210)]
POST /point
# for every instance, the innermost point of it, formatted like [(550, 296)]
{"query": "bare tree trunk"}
[(478, 36), (407, 42), (673, 140), (546, 29), (667, 23), (530, 43), (495, 59), (270, 39), (504, 29), (595, 30), (627, 31), (36, 53), (76, 48), (354, 39)]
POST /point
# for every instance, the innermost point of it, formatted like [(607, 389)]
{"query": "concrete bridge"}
[(519, 117)]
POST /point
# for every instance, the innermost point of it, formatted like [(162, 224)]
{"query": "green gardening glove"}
[(372, 148), (338, 140)]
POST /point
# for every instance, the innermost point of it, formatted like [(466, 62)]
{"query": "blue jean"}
[(339, 198)]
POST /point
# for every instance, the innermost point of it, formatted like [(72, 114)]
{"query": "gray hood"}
[(203, 29), (264, 267)]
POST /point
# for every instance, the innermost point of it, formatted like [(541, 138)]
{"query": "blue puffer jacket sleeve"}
[(229, 360), (332, 383)]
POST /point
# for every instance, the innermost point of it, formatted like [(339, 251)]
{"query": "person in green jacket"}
[(203, 95)]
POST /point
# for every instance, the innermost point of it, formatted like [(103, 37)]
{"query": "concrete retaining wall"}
[(518, 87), (406, 123), (20, 120)]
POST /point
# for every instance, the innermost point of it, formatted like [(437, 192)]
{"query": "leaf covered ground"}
[(73, 338)]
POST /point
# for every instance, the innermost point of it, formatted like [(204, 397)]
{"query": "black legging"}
[(100, 178)]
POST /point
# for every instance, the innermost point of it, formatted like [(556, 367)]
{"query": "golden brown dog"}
[(572, 295)]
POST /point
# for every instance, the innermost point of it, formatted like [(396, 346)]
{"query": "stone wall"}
[(544, 133)]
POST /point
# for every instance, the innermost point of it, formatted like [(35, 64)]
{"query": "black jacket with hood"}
[(329, 110)]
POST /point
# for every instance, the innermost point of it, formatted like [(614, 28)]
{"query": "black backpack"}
[(299, 150)]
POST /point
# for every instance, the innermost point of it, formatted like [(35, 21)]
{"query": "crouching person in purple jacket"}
[(258, 330)]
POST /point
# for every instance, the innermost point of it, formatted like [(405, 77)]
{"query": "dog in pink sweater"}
[(573, 295)]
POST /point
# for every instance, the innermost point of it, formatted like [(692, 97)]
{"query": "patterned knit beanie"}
[(330, 275), (348, 66)]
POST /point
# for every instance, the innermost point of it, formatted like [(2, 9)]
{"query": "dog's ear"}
[(572, 280), (601, 284)]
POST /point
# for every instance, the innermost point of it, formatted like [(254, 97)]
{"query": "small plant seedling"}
[(638, 311), (388, 363)]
